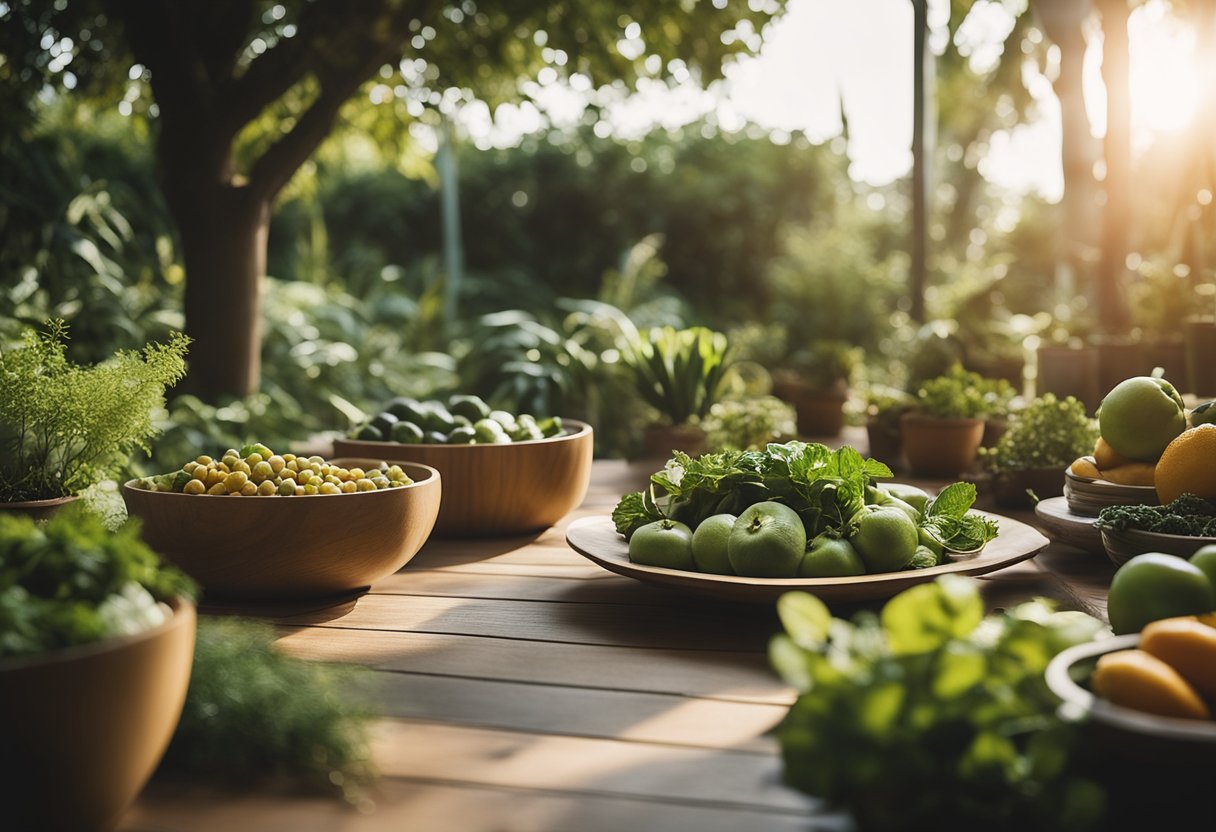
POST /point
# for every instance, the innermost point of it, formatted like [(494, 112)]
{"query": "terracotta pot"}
[(936, 447), (661, 440), (820, 410), (886, 444), (994, 429), (1200, 350), (39, 509), (85, 727), (1069, 371), (1010, 487)]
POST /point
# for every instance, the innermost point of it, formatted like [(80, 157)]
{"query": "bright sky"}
[(824, 51)]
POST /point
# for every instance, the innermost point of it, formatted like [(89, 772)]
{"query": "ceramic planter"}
[(39, 509), (85, 727), (661, 440), (936, 447)]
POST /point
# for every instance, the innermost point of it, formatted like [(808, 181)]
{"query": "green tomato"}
[(710, 544), (830, 557), (885, 537), (665, 543), (768, 541), (1153, 586)]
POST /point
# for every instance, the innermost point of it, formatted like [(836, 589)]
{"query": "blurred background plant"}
[(749, 424), (680, 373)]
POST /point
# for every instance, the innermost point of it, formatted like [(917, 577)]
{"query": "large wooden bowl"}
[(290, 547), (84, 728), (499, 489)]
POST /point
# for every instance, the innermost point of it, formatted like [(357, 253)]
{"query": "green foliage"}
[(825, 363), (886, 405), (932, 714), (72, 580), (1187, 515), (963, 394), (679, 372), (950, 521), (749, 424), (1047, 433), (254, 714), (63, 426)]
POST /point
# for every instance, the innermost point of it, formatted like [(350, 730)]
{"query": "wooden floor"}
[(525, 688)]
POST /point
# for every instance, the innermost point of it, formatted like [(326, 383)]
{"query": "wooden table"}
[(525, 688)]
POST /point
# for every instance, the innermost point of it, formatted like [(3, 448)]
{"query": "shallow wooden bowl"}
[(1121, 546), (85, 727), (290, 547), (1088, 497), (499, 489)]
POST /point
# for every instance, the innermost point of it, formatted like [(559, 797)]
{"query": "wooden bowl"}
[(1121, 546), (499, 489), (85, 727), (1088, 497), (290, 547)]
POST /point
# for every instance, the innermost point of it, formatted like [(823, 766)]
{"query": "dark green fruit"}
[(434, 437), (463, 435), (470, 407), (401, 407), (384, 422), (406, 433), (370, 433), (436, 417)]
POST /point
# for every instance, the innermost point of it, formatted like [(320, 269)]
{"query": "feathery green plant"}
[(66, 426), (680, 372)]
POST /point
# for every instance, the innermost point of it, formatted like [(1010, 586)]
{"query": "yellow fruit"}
[(1107, 457), (1084, 467), (1188, 465), (1136, 679), (1133, 473), (1188, 646)]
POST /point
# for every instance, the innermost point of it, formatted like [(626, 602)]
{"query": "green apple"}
[(910, 494), (884, 536), (830, 557), (665, 543), (1140, 416), (709, 544), (1205, 559), (768, 541)]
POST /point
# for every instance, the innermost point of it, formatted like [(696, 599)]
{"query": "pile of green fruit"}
[(461, 420), (257, 471), (795, 510)]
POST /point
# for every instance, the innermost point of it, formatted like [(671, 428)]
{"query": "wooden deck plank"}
[(703, 626), (579, 712), (436, 806), (613, 589), (716, 674), (487, 757)]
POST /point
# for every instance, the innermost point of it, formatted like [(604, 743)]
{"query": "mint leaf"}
[(953, 501), (877, 470)]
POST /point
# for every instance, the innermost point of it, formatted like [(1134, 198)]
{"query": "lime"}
[(884, 536), (1205, 559), (768, 541), (406, 433), (830, 557), (1153, 586), (662, 543), (709, 544)]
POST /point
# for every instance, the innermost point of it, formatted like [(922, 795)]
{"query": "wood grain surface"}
[(525, 688)]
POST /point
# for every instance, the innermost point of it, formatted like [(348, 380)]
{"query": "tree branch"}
[(161, 42)]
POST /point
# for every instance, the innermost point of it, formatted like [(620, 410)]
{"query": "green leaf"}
[(790, 661), (959, 668), (953, 501), (877, 470), (927, 616), (805, 618)]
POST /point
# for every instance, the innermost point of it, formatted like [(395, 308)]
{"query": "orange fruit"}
[(1106, 457), (1188, 464)]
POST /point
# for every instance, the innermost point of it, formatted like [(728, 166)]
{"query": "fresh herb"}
[(1047, 433), (825, 363), (749, 424), (962, 394), (71, 581), (65, 427), (254, 713), (949, 519), (932, 715), (679, 372), (825, 487), (1188, 515)]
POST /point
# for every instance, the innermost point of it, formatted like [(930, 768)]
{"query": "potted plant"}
[(943, 433), (749, 424), (884, 408), (96, 645), (1043, 438), (680, 373), (816, 380), (999, 396), (65, 427)]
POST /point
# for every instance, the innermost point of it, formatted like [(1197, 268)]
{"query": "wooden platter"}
[(1066, 526), (596, 538)]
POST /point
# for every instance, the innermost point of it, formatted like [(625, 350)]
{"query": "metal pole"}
[(449, 193), (920, 145)]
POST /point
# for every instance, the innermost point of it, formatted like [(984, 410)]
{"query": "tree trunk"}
[(1114, 317), (224, 232)]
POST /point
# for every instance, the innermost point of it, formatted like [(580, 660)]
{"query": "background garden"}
[(574, 238)]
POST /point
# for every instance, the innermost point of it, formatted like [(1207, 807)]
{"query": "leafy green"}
[(933, 715), (962, 394), (1187, 515), (949, 520), (254, 713), (72, 580), (824, 486), (1047, 433), (749, 424), (64, 426), (679, 372)]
